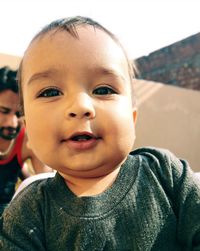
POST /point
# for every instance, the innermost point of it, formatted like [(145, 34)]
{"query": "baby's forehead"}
[(82, 33), (77, 33), (87, 39), (58, 46)]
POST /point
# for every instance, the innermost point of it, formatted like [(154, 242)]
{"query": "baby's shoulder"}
[(155, 154), (32, 179), (160, 161)]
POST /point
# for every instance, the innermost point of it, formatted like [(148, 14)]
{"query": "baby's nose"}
[(82, 107)]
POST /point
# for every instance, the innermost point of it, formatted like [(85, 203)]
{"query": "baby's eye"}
[(50, 92), (4, 111), (104, 90)]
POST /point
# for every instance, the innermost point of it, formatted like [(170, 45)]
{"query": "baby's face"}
[(77, 102)]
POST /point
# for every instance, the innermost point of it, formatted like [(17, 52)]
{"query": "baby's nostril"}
[(87, 114), (72, 114)]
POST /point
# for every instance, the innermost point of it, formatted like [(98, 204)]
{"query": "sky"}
[(142, 26)]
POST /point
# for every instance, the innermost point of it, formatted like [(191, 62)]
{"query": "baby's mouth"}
[(81, 141), (83, 137)]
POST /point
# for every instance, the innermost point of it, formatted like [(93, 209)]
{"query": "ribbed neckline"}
[(95, 206)]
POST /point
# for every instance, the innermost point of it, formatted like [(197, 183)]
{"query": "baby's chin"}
[(92, 172), (85, 174)]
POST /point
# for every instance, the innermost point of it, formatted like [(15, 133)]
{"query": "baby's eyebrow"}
[(108, 72), (99, 71), (40, 75)]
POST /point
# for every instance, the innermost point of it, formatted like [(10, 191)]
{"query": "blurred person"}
[(14, 150)]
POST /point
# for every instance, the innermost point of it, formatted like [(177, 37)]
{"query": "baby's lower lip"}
[(82, 144)]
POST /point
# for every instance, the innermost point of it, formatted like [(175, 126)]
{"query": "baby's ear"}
[(22, 121), (135, 113)]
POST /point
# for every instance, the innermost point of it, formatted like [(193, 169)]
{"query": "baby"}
[(79, 109)]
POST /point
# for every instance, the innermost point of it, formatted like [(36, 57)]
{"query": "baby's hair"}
[(70, 25)]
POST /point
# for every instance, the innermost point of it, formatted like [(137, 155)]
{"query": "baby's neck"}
[(90, 186)]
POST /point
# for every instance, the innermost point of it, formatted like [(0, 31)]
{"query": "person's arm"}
[(187, 207), (182, 187)]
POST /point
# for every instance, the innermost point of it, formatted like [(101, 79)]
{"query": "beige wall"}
[(9, 60), (169, 117)]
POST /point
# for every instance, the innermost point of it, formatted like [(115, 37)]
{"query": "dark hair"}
[(70, 25), (8, 79)]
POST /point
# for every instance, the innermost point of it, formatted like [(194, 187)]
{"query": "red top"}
[(17, 150)]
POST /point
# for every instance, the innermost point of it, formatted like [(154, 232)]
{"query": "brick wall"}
[(177, 64)]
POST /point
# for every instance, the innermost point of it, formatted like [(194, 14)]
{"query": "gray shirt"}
[(154, 204)]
